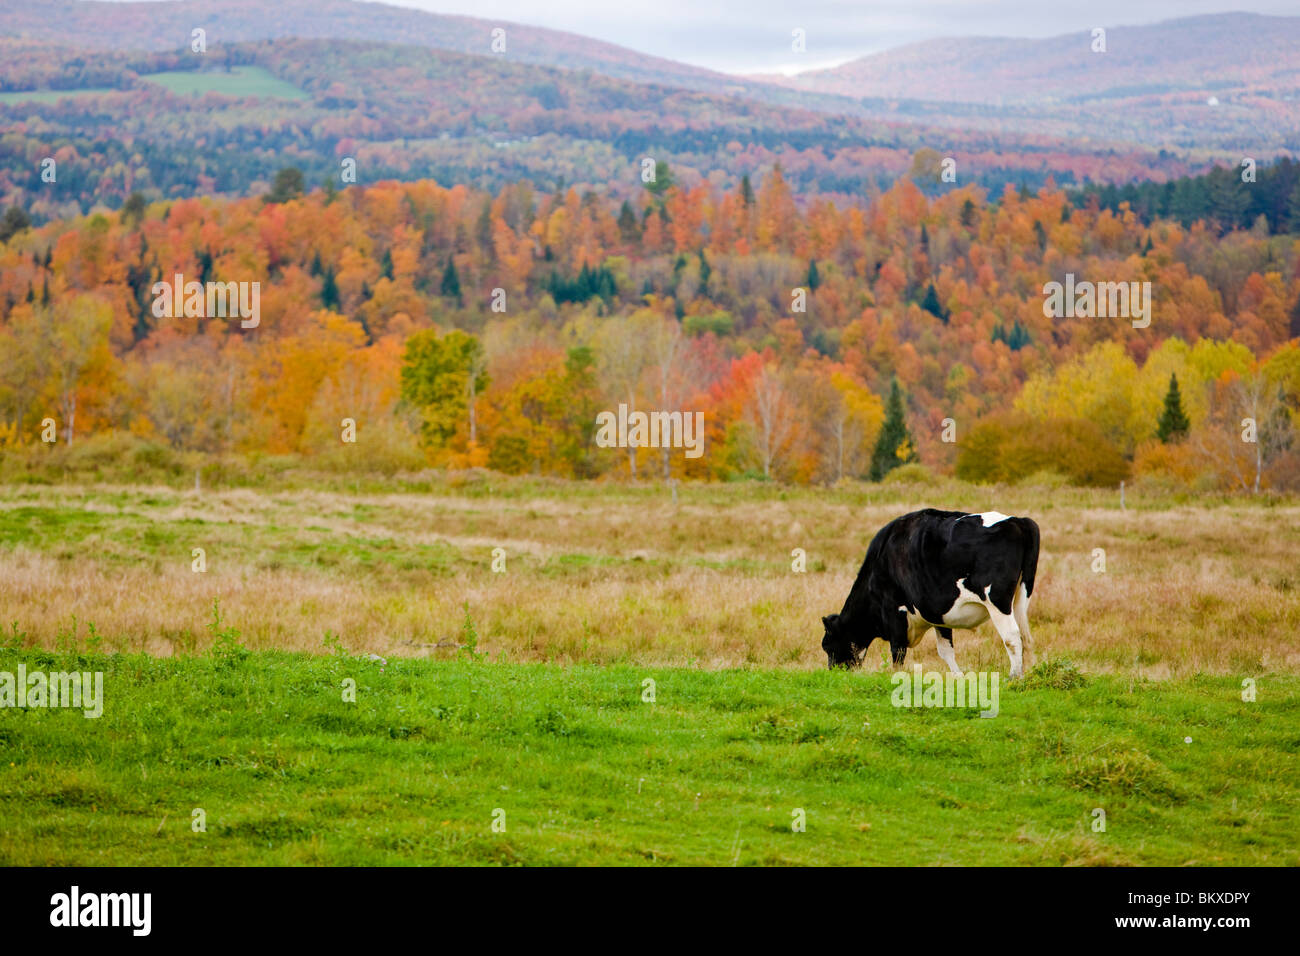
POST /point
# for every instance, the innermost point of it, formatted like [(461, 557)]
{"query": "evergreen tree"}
[(968, 214), (1040, 234), (746, 190), (386, 264), (1293, 209), (664, 180), (925, 239), (895, 444), (814, 279), (329, 291), (288, 183), (133, 208), (15, 220), (450, 281), (628, 227), (1173, 422), (932, 304), (706, 271)]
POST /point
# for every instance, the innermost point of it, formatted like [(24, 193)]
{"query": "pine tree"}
[(450, 281), (968, 214), (814, 279), (1293, 209), (895, 444), (627, 224), (746, 190), (932, 304), (329, 291), (1173, 422)]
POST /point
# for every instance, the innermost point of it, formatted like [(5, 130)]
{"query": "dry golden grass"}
[(611, 573)]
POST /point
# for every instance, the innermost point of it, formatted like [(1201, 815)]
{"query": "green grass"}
[(53, 96), (244, 81), (287, 772)]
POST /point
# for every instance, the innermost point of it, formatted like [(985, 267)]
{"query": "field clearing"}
[(611, 574), (53, 96), (240, 82)]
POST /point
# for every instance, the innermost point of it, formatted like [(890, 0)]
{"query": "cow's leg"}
[(897, 633), (1020, 611), (1009, 631), (943, 638)]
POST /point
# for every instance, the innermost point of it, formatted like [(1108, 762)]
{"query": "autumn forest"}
[(406, 325)]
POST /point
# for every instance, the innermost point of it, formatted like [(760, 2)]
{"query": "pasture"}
[(521, 689), (240, 82)]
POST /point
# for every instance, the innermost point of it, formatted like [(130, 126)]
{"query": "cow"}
[(941, 570)]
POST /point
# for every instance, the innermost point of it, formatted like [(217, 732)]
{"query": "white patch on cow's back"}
[(968, 611), (990, 518)]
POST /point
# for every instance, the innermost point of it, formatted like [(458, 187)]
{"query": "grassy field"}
[(542, 715), (240, 82), (53, 96), (585, 771), (243, 81), (613, 574)]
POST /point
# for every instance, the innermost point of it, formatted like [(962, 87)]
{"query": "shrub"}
[(1012, 446), (912, 473), (1054, 673)]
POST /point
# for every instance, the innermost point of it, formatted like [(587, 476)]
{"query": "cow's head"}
[(841, 650)]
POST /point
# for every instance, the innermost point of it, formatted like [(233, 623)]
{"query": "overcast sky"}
[(749, 36)]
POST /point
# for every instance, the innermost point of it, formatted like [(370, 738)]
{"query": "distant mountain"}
[(1228, 55), (173, 125), (97, 25), (1204, 87)]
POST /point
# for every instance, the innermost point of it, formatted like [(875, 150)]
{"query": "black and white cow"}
[(938, 569)]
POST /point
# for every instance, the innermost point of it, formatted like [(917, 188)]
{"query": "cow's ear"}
[(829, 621)]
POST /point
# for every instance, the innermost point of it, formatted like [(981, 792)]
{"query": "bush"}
[(1048, 478), (1174, 462), (912, 473), (1054, 673), (1013, 446)]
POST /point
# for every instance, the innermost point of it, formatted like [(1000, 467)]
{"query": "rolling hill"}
[(1224, 54)]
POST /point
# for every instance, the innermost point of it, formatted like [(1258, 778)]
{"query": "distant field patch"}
[(52, 96), (245, 81)]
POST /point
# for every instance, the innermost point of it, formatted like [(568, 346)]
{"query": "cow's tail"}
[(1029, 561), (1029, 558)]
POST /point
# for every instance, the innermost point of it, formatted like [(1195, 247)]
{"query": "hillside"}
[(95, 25), (1220, 54), (173, 125), (789, 330), (1153, 83)]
